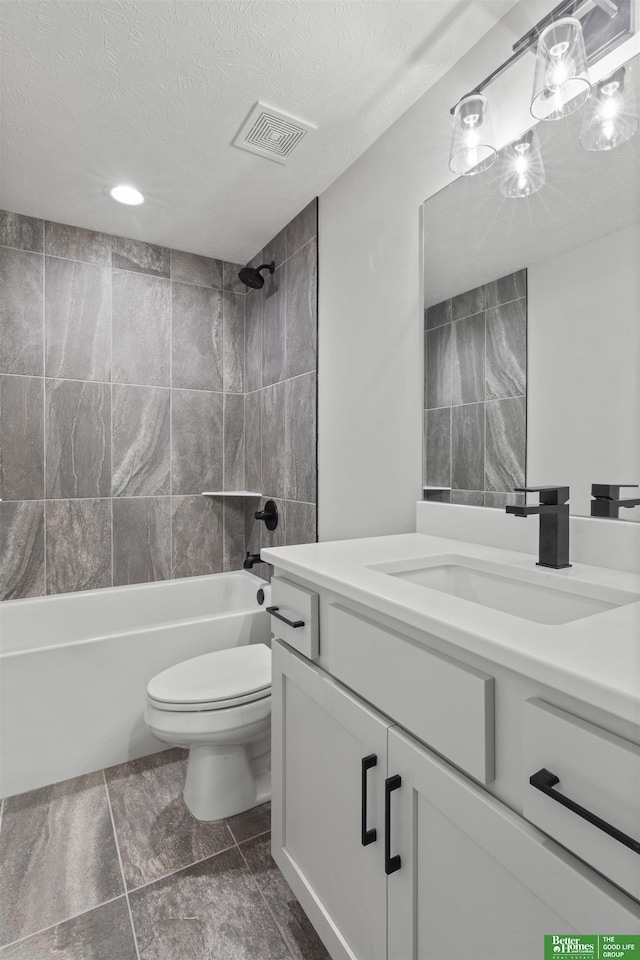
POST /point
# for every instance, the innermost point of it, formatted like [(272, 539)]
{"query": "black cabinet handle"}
[(545, 781), (367, 836), (391, 864), (290, 623)]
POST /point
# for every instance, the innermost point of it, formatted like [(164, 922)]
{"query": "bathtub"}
[(74, 668)]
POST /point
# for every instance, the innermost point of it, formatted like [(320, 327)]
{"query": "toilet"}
[(219, 707)]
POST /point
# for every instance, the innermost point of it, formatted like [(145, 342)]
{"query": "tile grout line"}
[(124, 879), (111, 379), (264, 899), (171, 570)]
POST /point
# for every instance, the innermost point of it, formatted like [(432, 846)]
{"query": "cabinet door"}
[(476, 882), (320, 736)]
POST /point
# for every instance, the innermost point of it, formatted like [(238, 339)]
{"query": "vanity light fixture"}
[(610, 117), (126, 194), (522, 167), (472, 143), (561, 82), (575, 34)]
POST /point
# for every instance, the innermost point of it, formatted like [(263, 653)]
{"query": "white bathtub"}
[(74, 668)]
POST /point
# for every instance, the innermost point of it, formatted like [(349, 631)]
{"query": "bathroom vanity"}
[(425, 682)]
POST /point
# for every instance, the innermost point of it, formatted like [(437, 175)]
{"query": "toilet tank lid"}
[(223, 675)]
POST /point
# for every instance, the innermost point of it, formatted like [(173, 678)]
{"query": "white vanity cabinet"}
[(320, 737), (476, 881), (447, 870)]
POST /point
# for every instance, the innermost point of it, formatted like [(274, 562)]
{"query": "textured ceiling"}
[(98, 92), (474, 235)]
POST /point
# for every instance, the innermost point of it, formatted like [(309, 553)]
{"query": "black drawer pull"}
[(290, 623), (367, 836), (391, 864), (545, 781)]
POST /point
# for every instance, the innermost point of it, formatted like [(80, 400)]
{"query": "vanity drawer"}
[(291, 604), (596, 770), (445, 703)]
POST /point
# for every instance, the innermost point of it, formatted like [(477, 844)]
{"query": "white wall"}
[(370, 296), (583, 422), (370, 334)]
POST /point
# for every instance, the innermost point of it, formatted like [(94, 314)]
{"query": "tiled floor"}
[(111, 866)]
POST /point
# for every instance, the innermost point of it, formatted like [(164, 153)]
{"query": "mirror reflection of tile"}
[(475, 394)]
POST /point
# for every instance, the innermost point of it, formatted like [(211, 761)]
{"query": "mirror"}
[(532, 309)]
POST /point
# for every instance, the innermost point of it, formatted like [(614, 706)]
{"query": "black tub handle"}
[(290, 623), (367, 836), (545, 781), (391, 864)]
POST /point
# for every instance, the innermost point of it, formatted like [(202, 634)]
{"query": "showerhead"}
[(252, 277)]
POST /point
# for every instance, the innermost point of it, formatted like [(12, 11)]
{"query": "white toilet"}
[(219, 706)]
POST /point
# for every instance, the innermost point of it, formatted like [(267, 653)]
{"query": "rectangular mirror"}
[(532, 309)]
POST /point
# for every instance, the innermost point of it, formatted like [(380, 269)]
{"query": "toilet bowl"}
[(219, 707)]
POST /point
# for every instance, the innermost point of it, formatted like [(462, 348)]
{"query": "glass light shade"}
[(561, 83), (472, 142), (611, 116), (522, 167)]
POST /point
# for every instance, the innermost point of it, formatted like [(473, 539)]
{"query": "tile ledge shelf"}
[(436, 488), (230, 493)]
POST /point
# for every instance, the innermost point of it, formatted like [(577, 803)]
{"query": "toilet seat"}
[(214, 681)]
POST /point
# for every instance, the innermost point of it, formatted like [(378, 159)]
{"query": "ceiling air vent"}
[(271, 133)]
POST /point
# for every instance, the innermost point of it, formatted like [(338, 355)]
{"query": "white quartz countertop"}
[(595, 659)]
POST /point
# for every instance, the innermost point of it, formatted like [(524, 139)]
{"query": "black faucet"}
[(250, 559), (554, 524), (607, 501)]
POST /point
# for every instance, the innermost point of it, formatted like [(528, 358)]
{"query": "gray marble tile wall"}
[(475, 394), (281, 387), (122, 382)]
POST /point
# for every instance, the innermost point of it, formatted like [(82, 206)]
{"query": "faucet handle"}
[(548, 495), (608, 491)]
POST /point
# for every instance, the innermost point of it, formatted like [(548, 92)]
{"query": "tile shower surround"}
[(475, 394), (125, 379), (111, 866)]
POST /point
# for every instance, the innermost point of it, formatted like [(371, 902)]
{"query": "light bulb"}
[(472, 141), (611, 116), (561, 82), (522, 167)]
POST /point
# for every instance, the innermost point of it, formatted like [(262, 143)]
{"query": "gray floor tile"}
[(213, 909), (251, 823), (156, 833), (302, 940), (58, 856), (101, 934)]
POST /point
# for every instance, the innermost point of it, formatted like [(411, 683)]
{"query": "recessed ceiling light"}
[(129, 195)]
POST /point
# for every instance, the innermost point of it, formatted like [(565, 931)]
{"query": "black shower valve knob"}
[(269, 515)]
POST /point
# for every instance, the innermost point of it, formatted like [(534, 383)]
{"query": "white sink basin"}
[(525, 594)]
